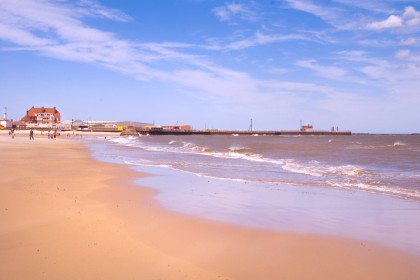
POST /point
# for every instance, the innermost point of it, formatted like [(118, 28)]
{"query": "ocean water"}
[(361, 186)]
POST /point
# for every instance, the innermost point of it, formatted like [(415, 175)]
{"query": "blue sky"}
[(354, 64)]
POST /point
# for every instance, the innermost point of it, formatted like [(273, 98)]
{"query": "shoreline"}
[(311, 210), (64, 134), (65, 215)]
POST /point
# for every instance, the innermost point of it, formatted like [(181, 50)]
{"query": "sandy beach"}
[(64, 215)]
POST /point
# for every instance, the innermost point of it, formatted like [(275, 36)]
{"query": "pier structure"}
[(159, 131)]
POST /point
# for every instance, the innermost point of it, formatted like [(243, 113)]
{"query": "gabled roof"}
[(36, 110)]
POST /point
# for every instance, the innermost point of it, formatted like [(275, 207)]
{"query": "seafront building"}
[(49, 118), (103, 126), (40, 117)]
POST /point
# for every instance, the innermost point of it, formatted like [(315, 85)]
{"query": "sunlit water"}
[(364, 187)]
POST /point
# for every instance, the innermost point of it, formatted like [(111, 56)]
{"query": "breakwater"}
[(144, 131)]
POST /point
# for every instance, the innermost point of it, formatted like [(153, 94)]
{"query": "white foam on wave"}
[(347, 170), (377, 187), (399, 144), (239, 149), (341, 176), (312, 168), (295, 167), (318, 169), (147, 164), (195, 147), (221, 178), (122, 140)]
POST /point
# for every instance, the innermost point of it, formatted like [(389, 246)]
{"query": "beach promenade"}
[(64, 215)]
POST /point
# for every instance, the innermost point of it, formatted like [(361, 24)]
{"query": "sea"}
[(365, 187)]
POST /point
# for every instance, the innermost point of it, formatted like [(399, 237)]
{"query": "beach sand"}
[(64, 215)]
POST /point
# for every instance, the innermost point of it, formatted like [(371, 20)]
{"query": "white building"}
[(4, 122)]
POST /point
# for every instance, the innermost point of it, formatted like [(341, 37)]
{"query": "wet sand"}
[(64, 215)]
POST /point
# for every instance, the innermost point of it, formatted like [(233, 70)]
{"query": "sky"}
[(352, 64)]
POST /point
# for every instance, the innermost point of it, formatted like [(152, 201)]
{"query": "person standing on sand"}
[(31, 135), (13, 134)]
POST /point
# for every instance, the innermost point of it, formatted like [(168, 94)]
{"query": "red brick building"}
[(41, 117)]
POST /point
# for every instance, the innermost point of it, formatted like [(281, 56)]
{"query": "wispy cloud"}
[(57, 29), (402, 54), (93, 8), (231, 11), (262, 39), (373, 6), (411, 41), (48, 22), (330, 72), (337, 17)]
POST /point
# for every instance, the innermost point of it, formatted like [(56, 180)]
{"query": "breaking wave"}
[(280, 170), (399, 144)]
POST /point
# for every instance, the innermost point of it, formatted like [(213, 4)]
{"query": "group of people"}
[(31, 134), (52, 136)]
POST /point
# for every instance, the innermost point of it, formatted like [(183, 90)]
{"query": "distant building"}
[(177, 127), (40, 118), (307, 128), (181, 127), (4, 122)]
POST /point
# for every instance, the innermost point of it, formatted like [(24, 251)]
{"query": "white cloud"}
[(93, 8), (285, 86), (368, 5), (391, 22), (410, 18), (393, 74), (262, 39), (353, 53), (233, 10), (338, 17), (21, 37), (402, 54), (409, 41), (56, 29), (330, 72), (362, 58), (309, 7), (222, 13)]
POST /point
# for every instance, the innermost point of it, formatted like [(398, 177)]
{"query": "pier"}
[(153, 131)]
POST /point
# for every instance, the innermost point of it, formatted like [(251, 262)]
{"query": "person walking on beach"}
[(13, 134), (31, 135)]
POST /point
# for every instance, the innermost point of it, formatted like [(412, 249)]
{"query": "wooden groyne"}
[(143, 131)]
